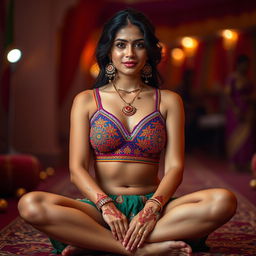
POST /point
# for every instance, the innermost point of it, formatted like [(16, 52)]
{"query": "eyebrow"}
[(124, 40)]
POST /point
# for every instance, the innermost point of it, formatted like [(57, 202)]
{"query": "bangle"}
[(156, 201), (103, 201)]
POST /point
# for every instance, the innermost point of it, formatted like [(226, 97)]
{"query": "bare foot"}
[(170, 248), (71, 250)]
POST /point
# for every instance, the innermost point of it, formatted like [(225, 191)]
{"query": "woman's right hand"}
[(116, 220)]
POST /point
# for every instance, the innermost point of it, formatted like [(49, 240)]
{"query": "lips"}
[(130, 64)]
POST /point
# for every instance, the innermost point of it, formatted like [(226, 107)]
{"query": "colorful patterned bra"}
[(111, 141)]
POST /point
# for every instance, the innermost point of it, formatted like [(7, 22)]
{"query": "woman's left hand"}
[(141, 226)]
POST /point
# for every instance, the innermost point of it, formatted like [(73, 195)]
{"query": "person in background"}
[(127, 122), (240, 116)]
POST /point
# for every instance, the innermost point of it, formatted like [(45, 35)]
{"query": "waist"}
[(121, 178), (130, 190)]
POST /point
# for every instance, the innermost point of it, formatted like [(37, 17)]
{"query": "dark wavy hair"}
[(118, 21)]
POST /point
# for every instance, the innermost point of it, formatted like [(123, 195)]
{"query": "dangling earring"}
[(110, 71), (146, 72)]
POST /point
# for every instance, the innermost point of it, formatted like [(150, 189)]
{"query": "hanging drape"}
[(80, 22), (6, 26)]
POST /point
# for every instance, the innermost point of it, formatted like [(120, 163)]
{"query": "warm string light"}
[(188, 48), (189, 45), (178, 56), (188, 42), (230, 38)]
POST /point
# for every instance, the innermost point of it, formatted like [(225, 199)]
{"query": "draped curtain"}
[(6, 28), (211, 63), (78, 25)]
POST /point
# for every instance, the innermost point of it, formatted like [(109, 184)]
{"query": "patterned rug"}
[(237, 237)]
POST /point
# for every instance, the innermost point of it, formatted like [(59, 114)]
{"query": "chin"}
[(130, 72)]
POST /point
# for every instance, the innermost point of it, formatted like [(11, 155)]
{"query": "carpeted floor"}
[(237, 237)]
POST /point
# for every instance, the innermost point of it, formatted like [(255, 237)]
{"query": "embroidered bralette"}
[(111, 141)]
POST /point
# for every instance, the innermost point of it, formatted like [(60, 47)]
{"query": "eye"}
[(120, 45), (140, 45)]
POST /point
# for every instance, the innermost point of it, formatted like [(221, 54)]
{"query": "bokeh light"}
[(94, 70), (14, 55), (189, 42), (230, 38), (178, 56)]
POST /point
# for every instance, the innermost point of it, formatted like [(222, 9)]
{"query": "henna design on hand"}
[(147, 215), (110, 210)]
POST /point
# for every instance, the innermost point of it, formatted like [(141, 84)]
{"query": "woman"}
[(127, 122), (240, 128)]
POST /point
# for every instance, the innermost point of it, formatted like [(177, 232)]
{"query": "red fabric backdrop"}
[(80, 22), (211, 63)]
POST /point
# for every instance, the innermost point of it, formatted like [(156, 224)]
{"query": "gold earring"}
[(146, 72), (110, 71)]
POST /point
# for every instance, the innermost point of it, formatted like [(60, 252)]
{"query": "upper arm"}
[(79, 147), (174, 155)]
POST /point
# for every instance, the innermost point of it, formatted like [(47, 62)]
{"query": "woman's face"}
[(128, 52)]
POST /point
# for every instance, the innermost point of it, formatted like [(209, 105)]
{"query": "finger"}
[(128, 235), (118, 232), (126, 225), (113, 230), (122, 229), (143, 238), (137, 240), (134, 239)]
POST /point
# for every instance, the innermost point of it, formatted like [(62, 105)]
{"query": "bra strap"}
[(157, 99), (97, 98)]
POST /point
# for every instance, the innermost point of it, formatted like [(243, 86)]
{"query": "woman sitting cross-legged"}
[(127, 122)]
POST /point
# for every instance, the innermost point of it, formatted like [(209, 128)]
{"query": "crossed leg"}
[(69, 221), (82, 226), (195, 215)]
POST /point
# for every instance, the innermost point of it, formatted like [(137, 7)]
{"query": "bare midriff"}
[(119, 178)]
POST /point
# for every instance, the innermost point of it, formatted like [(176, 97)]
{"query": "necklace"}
[(129, 109), (122, 90)]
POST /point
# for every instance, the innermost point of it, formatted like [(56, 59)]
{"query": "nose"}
[(129, 51)]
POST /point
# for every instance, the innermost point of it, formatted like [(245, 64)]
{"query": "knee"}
[(31, 208), (223, 205)]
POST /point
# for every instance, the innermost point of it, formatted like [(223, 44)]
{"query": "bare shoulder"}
[(83, 101), (170, 99), (84, 97)]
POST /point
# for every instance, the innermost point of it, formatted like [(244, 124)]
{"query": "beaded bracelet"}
[(103, 201), (156, 201)]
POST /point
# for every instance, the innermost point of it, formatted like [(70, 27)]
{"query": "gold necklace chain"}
[(128, 103), (129, 109), (122, 90)]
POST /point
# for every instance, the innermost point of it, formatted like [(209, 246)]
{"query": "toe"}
[(64, 252), (177, 244)]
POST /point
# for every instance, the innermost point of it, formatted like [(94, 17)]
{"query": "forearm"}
[(168, 185), (81, 178)]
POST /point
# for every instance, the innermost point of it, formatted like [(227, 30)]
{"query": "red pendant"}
[(129, 110)]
